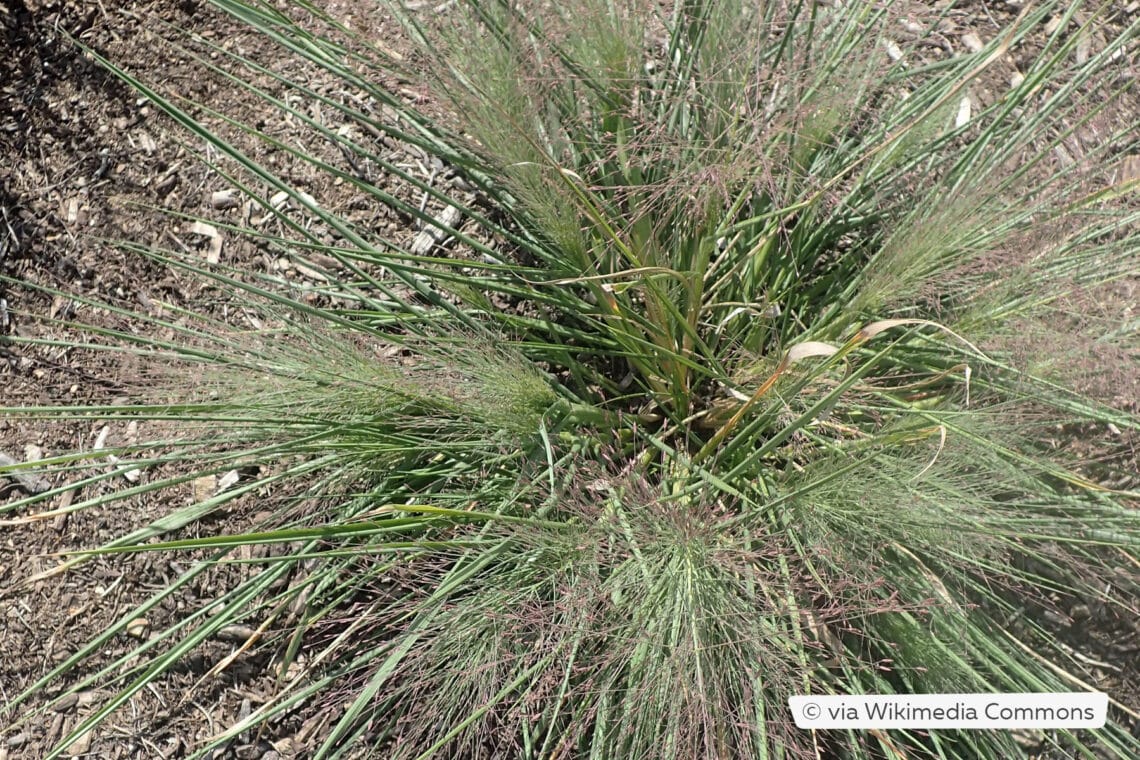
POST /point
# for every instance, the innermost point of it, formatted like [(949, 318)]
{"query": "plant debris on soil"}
[(84, 162)]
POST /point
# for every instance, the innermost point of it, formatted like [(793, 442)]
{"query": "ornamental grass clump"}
[(704, 396)]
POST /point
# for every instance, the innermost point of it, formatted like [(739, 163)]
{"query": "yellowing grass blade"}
[(870, 331), (795, 353)]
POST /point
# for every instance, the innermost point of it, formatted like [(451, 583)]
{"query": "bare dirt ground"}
[(87, 162), (83, 161)]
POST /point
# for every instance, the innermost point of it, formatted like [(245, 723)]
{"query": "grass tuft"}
[(717, 390)]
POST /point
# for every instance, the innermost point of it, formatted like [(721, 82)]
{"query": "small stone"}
[(223, 199), (1084, 47), (214, 249), (309, 272), (228, 480), (204, 487), (101, 438), (237, 634), (137, 628), (1064, 156), (963, 116), (973, 42), (66, 703), (166, 184), (80, 745)]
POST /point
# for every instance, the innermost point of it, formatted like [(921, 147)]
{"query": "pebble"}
[(223, 199), (66, 703)]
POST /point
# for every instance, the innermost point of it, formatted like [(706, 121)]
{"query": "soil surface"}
[(84, 161)]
